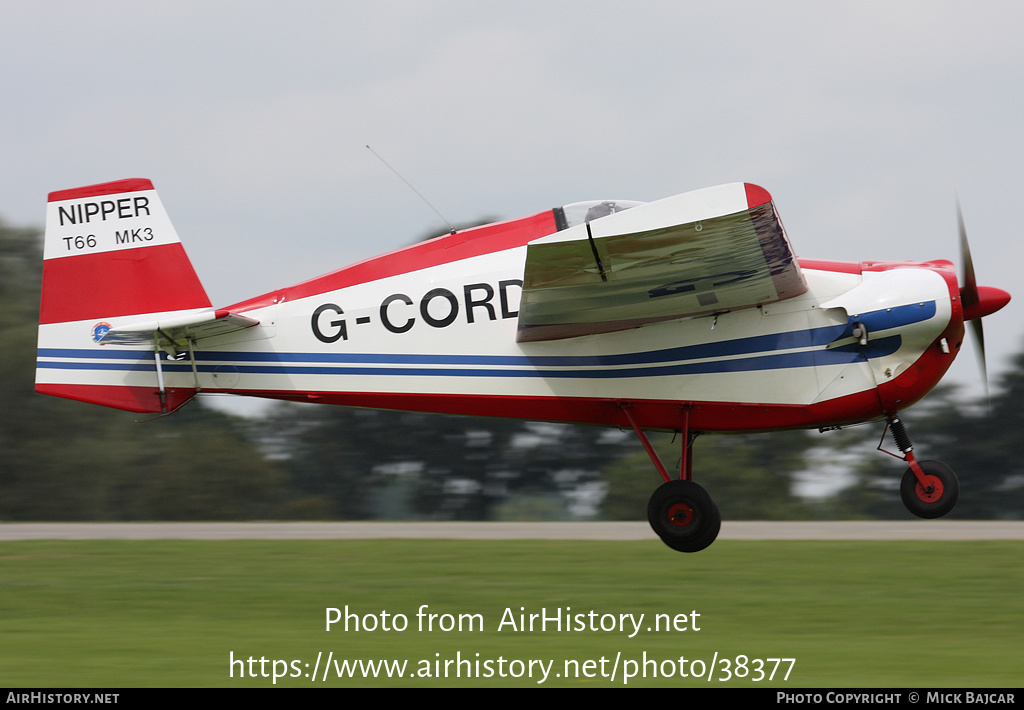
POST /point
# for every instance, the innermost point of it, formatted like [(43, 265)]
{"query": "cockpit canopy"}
[(584, 212)]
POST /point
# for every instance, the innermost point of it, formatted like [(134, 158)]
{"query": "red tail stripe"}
[(131, 399), (103, 286), (105, 188)]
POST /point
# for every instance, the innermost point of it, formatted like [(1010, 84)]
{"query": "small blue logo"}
[(99, 330)]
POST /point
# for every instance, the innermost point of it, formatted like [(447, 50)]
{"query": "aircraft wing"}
[(710, 251), (178, 329)]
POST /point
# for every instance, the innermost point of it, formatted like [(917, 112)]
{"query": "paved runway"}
[(740, 530)]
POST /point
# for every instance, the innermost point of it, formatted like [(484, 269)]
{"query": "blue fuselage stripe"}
[(761, 351)]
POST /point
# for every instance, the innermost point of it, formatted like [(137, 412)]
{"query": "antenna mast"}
[(450, 227)]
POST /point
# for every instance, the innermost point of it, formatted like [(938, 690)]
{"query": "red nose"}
[(986, 301)]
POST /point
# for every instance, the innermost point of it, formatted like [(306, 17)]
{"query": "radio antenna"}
[(450, 227)]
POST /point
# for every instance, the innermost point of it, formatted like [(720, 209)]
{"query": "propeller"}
[(976, 301)]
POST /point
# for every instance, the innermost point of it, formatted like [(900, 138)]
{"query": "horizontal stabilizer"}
[(176, 331)]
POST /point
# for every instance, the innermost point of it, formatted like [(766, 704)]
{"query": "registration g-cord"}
[(689, 314)]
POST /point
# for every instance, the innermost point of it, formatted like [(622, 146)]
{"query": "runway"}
[(739, 530)]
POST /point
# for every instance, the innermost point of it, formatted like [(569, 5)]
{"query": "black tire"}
[(938, 498), (684, 516)]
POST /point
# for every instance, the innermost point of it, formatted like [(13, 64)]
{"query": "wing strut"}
[(597, 256)]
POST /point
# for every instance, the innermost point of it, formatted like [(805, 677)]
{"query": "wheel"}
[(684, 516), (938, 497)]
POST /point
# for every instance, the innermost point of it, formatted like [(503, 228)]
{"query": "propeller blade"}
[(976, 301), (969, 286), (979, 341)]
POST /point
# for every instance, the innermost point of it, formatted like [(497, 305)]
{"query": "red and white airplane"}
[(689, 314)]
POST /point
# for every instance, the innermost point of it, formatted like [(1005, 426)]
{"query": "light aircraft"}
[(689, 314)]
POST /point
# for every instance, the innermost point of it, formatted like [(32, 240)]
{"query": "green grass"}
[(885, 614)]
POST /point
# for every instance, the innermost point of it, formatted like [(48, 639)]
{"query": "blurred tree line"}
[(65, 460)]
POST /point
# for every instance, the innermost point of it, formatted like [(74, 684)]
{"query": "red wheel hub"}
[(680, 515), (931, 491)]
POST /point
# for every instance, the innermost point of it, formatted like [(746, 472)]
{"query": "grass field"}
[(851, 614)]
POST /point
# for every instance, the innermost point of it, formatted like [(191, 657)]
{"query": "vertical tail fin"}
[(110, 258)]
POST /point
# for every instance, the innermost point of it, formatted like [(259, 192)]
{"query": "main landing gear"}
[(680, 511), (687, 520), (929, 488), (684, 516)]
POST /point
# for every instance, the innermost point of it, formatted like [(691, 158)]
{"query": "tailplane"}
[(112, 263)]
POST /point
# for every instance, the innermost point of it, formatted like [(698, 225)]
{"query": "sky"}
[(866, 121)]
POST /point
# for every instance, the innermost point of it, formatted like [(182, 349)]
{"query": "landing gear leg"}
[(681, 512), (929, 488)]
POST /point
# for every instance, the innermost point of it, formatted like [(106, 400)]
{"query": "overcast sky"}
[(864, 120)]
